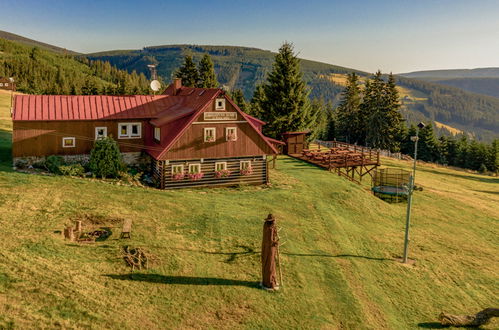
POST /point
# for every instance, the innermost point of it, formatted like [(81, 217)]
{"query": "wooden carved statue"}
[(270, 244)]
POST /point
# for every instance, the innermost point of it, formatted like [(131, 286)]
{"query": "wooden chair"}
[(127, 229)]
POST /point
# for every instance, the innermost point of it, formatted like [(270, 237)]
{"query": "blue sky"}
[(398, 36)]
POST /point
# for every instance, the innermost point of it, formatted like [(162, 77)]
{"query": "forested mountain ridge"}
[(244, 68), (34, 43), (482, 81), (41, 71)]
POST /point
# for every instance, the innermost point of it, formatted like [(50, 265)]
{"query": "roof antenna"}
[(155, 84)]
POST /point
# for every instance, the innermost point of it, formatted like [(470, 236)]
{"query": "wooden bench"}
[(127, 229)]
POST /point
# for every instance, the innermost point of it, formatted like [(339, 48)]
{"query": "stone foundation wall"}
[(130, 158)]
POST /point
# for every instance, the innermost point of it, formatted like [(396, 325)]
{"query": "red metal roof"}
[(104, 107)]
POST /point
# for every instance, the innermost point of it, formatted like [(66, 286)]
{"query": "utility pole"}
[(415, 139)]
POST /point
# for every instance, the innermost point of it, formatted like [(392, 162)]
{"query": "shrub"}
[(52, 164), (131, 178), (105, 159), (72, 170), (482, 168)]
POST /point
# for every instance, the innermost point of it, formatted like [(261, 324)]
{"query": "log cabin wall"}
[(162, 172), (44, 138)]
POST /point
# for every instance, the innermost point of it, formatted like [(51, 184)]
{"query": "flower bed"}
[(178, 176), (247, 171), (222, 174), (195, 176)]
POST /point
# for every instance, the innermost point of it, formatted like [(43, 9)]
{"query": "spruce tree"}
[(238, 97), (255, 106), (188, 72), (207, 76), (348, 112), (286, 106)]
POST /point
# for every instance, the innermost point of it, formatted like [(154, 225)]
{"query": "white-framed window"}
[(231, 133), (194, 168), (100, 132), (245, 164), (129, 130), (220, 166), (157, 133), (68, 142), (220, 104), (210, 134), (177, 169)]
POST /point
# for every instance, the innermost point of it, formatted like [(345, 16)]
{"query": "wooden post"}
[(69, 234), (78, 226), (377, 158)]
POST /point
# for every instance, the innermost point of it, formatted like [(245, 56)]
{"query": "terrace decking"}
[(342, 158)]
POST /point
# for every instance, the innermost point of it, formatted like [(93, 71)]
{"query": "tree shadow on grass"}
[(488, 192), (182, 280), (483, 179), (335, 256), (431, 325), (5, 151)]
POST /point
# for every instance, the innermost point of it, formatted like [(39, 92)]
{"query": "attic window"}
[(157, 134), (220, 104)]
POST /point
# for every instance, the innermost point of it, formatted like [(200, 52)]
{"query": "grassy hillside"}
[(337, 259), (244, 68)]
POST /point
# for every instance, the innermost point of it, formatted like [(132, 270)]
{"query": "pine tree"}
[(188, 72), (207, 76), (286, 106), (348, 112), (238, 97), (397, 124), (375, 111), (427, 144), (255, 106)]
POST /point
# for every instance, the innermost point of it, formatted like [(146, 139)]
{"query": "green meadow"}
[(338, 253)]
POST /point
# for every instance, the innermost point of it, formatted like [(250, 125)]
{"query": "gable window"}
[(129, 130), (68, 142), (220, 104), (245, 164), (194, 168), (221, 166), (209, 134), (157, 134), (100, 132), (231, 133), (177, 169)]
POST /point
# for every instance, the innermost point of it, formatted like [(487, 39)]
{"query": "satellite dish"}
[(155, 85)]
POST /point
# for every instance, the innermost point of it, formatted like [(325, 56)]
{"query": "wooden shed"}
[(295, 142)]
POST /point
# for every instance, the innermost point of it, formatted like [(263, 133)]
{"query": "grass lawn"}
[(340, 242)]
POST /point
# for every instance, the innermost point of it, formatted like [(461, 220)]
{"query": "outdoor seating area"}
[(342, 158)]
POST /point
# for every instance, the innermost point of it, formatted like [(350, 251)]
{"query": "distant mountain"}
[(454, 73), (34, 43), (244, 68), (482, 81)]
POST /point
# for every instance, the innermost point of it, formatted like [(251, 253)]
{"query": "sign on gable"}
[(220, 116)]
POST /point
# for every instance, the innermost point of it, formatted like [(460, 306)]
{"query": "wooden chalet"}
[(189, 136)]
